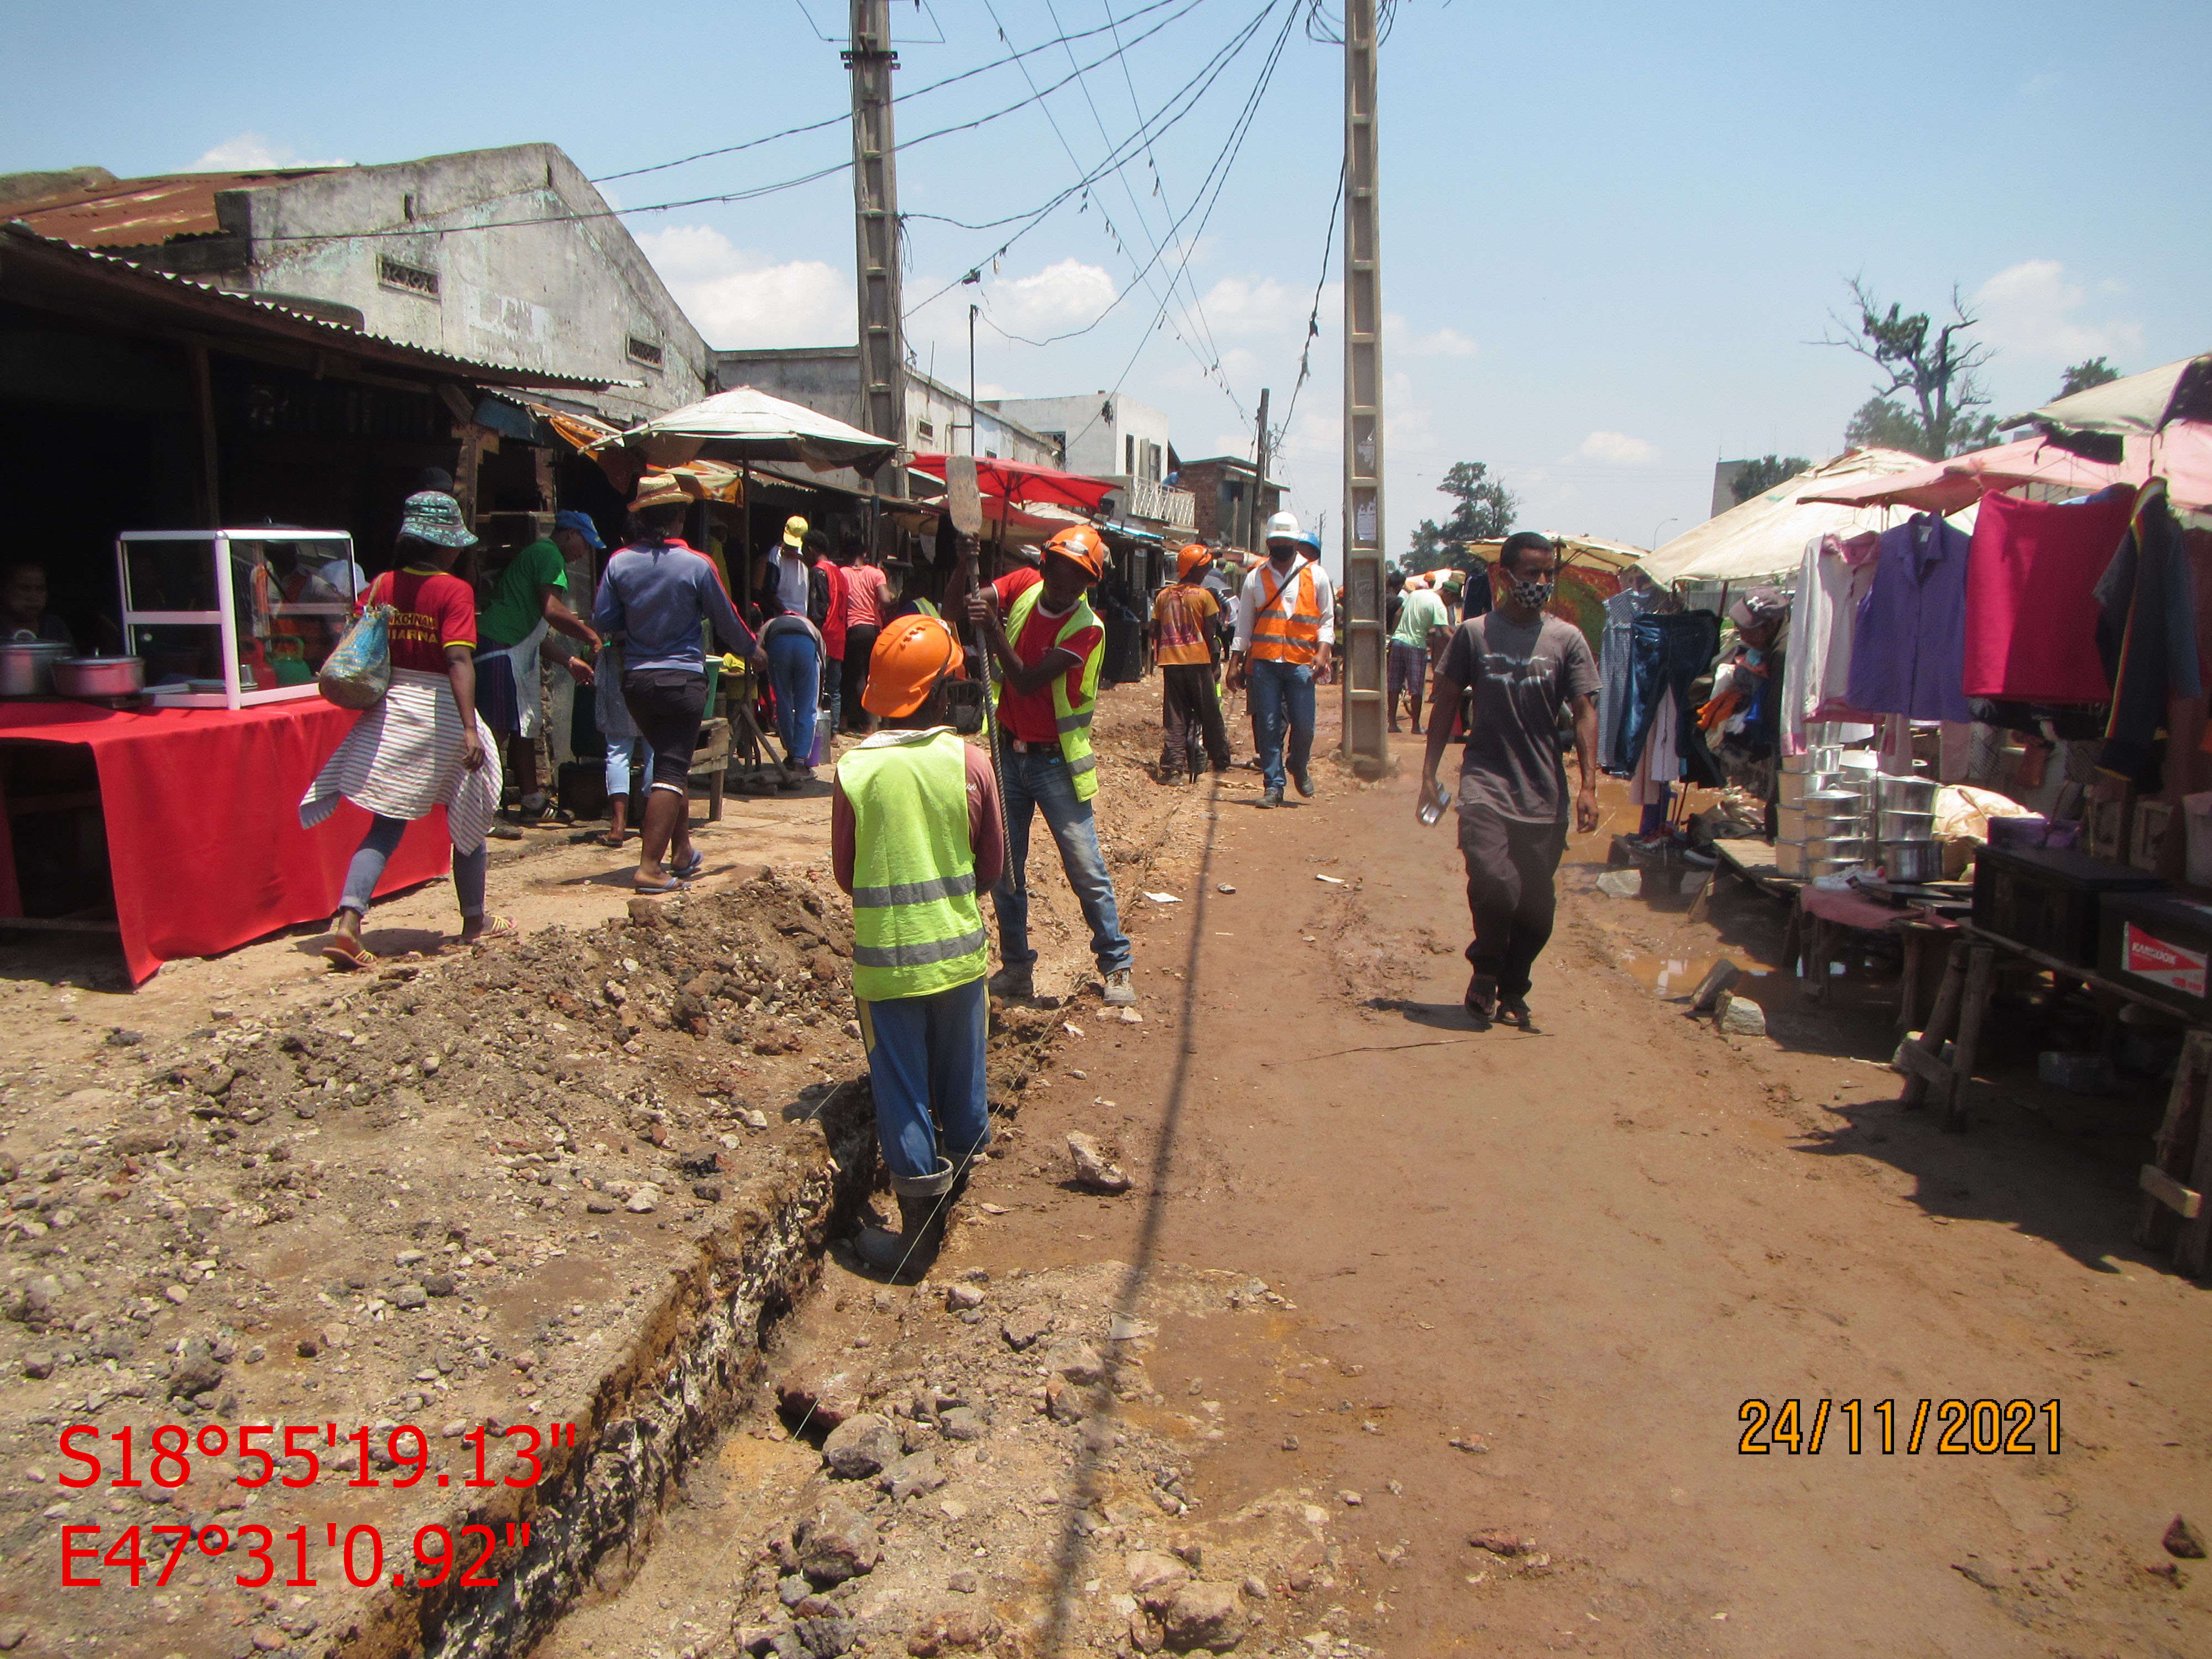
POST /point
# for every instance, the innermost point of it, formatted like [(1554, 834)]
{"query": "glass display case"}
[(230, 618)]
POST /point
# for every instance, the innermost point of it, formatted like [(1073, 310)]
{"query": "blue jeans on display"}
[(1039, 782), (375, 851), (1281, 692), (795, 674), (1666, 652), (926, 1069)]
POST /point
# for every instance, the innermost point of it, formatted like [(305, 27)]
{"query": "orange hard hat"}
[(1191, 557), (911, 656), (1080, 543)]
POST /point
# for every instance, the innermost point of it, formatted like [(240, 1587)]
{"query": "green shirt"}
[(515, 608), (1421, 611)]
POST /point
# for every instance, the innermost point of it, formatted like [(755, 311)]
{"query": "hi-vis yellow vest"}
[(1074, 718), (1286, 627), (917, 930)]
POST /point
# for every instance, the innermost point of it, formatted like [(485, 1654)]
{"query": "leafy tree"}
[(1933, 366), (2083, 376), (1757, 477), (1485, 513)]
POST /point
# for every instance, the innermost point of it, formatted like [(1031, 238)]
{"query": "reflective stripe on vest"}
[(1071, 720), (1291, 634), (916, 929)]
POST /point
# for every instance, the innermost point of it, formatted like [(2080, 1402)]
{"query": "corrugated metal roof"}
[(137, 212), (252, 307)]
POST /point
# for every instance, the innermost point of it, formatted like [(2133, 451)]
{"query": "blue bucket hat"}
[(431, 515), (582, 525)]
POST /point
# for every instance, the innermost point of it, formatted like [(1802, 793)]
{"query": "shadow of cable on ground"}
[(1067, 1567)]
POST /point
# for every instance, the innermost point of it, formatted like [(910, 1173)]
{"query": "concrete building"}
[(828, 379), (1221, 492), (1112, 435), (507, 257)]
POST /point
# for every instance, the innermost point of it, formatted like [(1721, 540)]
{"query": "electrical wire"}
[(1313, 318)]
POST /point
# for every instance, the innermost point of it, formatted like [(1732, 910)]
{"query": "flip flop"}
[(609, 838), (497, 928), (690, 867), (1514, 1012), (347, 954), (675, 885)]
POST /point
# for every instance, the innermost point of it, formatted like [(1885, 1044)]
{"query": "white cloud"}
[(249, 152), (2032, 309), (1617, 449), (1070, 293), (1236, 306), (739, 299), (1443, 343)]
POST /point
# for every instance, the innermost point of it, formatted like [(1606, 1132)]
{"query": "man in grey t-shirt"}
[(1515, 671)]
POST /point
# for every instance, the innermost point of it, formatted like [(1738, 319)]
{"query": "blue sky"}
[(1610, 231)]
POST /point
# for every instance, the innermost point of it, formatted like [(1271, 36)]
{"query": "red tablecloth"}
[(203, 814)]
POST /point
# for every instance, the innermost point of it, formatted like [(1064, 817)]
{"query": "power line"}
[(1313, 318)]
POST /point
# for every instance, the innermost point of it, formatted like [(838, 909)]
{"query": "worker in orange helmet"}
[(1049, 648), (1184, 643), (914, 832)]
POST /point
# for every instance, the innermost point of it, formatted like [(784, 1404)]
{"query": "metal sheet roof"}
[(136, 212)]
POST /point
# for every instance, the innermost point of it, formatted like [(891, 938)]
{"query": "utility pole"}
[(875, 217), (1366, 743), (1259, 481)]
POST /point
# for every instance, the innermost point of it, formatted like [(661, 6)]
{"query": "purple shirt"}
[(1909, 650)]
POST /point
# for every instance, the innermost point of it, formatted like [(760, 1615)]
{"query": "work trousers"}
[(1511, 866), (860, 642), (1190, 708), (1037, 781), (375, 851), (1282, 697), (926, 1069)]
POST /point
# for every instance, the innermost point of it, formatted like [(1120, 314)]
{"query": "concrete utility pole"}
[(1260, 482), (1361, 652), (875, 216)]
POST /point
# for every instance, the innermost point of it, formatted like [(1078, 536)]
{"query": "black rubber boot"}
[(924, 1202)]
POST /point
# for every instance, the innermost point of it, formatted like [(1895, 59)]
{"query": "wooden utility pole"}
[(1260, 482), (875, 216), (1361, 650)]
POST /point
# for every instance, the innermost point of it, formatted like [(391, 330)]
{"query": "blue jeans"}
[(794, 673), (376, 849), (1282, 691), (623, 753), (1040, 781), (926, 1052)]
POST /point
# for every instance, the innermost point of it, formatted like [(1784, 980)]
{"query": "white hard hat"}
[(1283, 527)]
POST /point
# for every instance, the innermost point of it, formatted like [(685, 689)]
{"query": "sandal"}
[(347, 954), (1481, 1001), (494, 928), (674, 884), (692, 866), (610, 837), (1515, 1011)]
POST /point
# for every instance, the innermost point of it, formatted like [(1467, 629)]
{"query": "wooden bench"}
[(711, 757)]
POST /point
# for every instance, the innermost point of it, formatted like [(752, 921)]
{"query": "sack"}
[(358, 673)]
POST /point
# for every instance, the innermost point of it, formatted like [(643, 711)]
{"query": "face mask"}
[(1753, 655), (1534, 595)]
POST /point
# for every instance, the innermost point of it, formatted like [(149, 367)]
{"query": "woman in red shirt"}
[(423, 746)]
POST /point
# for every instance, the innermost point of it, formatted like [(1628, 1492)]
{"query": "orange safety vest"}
[(1291, 635)]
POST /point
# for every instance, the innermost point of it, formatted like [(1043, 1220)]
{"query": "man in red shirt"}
[(1048, 688), (832, 620), (864, 621)]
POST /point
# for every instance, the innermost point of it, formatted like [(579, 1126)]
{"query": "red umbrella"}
[(1019, 481)]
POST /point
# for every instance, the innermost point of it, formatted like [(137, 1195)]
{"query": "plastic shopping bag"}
[(359, 672)]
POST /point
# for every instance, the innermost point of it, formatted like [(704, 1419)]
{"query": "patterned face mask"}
[(1536, 595)]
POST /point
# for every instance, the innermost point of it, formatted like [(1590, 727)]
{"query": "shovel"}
[(964, 504)]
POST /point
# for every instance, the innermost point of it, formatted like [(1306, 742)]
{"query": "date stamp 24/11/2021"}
[(1961, 1428)]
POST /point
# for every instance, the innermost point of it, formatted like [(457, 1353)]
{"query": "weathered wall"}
[(531, 269), (828, 379), (1097, 446)]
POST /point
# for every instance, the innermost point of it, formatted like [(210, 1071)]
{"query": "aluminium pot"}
[(1912, 860), (1838, 849), (1796, 786), (1833, 804), (1822, 757), (1902, 794), (1788, 824), (1906, 826), (1789, 858), (100, 676), (27, 666)]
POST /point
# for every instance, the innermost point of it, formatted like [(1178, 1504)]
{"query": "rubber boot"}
[(924, 1202)]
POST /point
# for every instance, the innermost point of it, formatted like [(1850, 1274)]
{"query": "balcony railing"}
[(1145, 499)]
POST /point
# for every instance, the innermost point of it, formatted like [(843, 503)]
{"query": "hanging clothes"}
[(1666, 653), (2146, 636), (1659, 766), (2032, 569), (1908, 653), (1832, 578), (1621, 611)]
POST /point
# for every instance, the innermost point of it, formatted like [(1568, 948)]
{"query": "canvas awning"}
[(1766, 535), (2134, 405), (746, 425), (1026, 485), (1947, 486), (1592, 552)]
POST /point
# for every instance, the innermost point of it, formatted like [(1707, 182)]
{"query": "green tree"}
[(2083, 376), (1757, 477), (1931, 366), (1485, 513)]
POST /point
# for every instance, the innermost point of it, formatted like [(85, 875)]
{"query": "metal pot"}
[(1796, 786), (1859, 760), (27, 666), (1906, 826), (1912, 860), (1833, 804), (100, 676), (1905, 794), (1845, 849), (1788, 824), (1815, 868), (1789, 858), (1822, 758)]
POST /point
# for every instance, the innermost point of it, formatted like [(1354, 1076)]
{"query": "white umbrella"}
[(2133, 406), (1766, 535), (747, 425)]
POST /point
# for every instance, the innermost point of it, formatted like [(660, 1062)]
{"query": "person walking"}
[(1049, 648), (1422, 619), (1184, 640), (914, 833), (423, 745), (1284, 628), (826, 609), (864, 620), (655, 594), (530, 599), (795, 658), (1515, 671)]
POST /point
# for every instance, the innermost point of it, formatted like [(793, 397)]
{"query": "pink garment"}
[(2031, 622)]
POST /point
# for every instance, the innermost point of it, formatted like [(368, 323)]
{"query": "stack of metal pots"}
[(1824, 816), (1905, 823)]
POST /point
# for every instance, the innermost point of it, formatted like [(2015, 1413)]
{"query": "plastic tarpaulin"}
[(1766, 535)]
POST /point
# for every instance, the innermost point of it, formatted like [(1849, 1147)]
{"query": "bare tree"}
[(1931, 366)]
